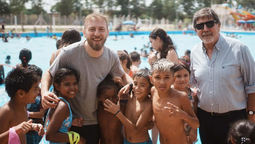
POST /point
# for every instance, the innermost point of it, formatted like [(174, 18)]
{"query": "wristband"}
[(117, 112), (76, 137)]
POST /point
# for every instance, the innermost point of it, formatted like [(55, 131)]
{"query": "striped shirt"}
[(223, 81)]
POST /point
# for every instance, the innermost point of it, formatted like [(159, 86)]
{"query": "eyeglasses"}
[(208, 24)]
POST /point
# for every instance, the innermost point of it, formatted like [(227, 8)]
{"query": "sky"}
[(49, 3)]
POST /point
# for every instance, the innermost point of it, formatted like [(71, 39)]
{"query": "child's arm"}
[(190, 116), (5, 118), (192, 136), (23, 128), (60, 114), (195, 100), (39, 114), (135, 128), (39, 128), (186, 113)]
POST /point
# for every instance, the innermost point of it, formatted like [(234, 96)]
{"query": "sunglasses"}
[(208, 24)]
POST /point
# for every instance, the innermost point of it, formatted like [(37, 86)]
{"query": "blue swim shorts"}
[(146, 142)]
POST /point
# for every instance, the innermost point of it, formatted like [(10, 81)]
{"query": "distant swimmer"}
[(3, 27), (131, 35), (1, 74), (28, 37), (55, 37), (7, 60), (115, 38), (5, 39)]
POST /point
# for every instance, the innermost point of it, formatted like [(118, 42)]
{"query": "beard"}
[(96, 46), (207, 38)]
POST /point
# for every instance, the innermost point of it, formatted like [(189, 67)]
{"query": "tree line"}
[(169, 9)]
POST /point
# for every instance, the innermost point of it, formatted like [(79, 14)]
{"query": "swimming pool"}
[(43, 47)]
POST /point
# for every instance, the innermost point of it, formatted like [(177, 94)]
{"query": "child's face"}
[(181, 78), (141, 87), (124, 64), (110, 94), (162, 80), (32, 93), (68, 87), (156, 44)]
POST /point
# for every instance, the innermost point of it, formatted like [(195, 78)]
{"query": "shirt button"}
[(210, 80), (210, 92), (212, 104)]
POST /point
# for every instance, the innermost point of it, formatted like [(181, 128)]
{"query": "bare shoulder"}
[(153, 90), (179, 94), (171, 51), (62, 105), (6, 114), (61, 108)]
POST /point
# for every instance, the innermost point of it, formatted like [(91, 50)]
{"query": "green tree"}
[(77, 6), (156, 9), (37, 7), (169, 9), (99, 3), (188, 7), (17, 6), (65, 7), (124, 4), (110, 4), (137, 7), (4, 7), (218, 1)]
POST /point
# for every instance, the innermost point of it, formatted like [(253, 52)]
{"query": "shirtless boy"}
[(138, 110), (22, 85), (171, 108), (110, 126)]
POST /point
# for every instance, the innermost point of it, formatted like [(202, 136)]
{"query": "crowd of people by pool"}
[(92, 94)]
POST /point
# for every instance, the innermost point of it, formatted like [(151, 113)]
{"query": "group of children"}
[(161, 95)]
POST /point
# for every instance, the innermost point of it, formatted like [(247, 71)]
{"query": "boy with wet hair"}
[(36, 111), (22, 85), (110, 126), (136, 61), (171, 108)]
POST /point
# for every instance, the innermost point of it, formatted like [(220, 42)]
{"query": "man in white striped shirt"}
[(223, 71)]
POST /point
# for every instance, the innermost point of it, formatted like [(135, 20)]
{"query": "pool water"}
[(43, 47)]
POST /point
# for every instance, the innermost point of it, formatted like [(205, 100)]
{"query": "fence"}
[(56, 20)]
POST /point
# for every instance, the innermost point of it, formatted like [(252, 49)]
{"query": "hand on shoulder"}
[(49, 100)]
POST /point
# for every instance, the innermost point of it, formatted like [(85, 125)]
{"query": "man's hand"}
[(124, 90), (118, 80), (149, 125), (192, 137), (78, 122), (48, 98)]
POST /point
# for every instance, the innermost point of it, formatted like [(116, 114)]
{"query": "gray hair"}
[(162, 65), (205, 13)]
